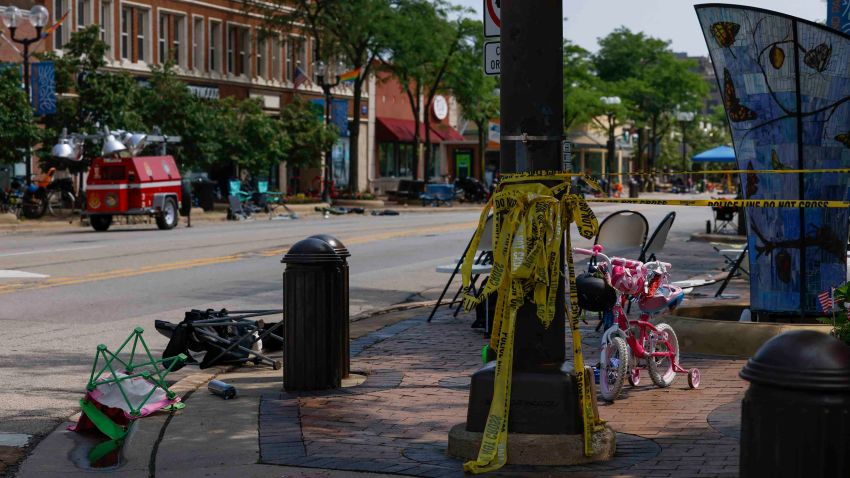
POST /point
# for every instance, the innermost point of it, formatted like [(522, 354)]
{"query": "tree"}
[(475, 93), (18, 130), (650, 78), (254, 140), (348, 31), (422, 42), (306, 138), (581, 87)]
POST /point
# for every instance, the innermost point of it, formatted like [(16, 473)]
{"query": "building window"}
[(262, 45), (238, 50), (61, 34), (83, 14), (198, 44), (172, 29), (106, 31), (134, 33), (215, 45), (298, 57), (314, 56), (396, 159), (275, 59), (287, 48)]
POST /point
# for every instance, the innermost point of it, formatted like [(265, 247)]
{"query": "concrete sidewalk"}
[(396, 422)]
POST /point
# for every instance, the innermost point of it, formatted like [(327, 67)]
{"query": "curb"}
[(393, 308), (722, 238)]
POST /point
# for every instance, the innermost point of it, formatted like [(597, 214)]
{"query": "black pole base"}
[(544, 401)]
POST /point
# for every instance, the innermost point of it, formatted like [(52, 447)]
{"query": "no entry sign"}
[(492, 18)]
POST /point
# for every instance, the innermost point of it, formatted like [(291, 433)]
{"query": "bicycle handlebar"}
[(616, 261)]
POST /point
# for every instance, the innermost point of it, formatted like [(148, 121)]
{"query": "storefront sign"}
[(205, 92)]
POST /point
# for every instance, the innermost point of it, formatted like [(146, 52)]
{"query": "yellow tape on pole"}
[(763, 203), (528, 230)]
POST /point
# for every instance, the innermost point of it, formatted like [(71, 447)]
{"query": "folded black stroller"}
[(224, 337)]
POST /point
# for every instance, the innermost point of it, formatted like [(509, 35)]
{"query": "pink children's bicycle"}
[(629, 346)]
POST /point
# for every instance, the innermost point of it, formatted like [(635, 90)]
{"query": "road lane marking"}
[(188, 264), (48, 251), (9, 274)]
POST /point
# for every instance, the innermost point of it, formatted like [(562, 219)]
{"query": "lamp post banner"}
[(786, 91), (43, 87)]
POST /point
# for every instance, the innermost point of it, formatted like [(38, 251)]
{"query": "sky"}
[(672, 20)]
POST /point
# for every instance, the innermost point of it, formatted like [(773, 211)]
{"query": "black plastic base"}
[(543, 401)]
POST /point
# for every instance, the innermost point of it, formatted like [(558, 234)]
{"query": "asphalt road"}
[(99, 286)]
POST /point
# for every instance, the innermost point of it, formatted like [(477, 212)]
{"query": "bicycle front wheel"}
[(60, 204), (614, 365), (661, 369)]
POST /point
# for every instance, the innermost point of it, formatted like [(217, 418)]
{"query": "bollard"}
[(795, 416), (343, 317), (313, 304)]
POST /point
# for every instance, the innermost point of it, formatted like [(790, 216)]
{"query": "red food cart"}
[(133, 186)]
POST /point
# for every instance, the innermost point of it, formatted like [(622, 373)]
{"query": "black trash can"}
[(795, 417), (204, 191), (185, 198), (634, 189), (313, 308), (344, 317)]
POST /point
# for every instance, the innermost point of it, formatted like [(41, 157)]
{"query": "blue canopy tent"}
[(720, 154)]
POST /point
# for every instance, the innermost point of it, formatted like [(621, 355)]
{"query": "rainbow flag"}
[(350, 75), (52, 28)]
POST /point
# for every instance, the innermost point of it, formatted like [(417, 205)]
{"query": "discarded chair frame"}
[(157, 377), (242, 343)]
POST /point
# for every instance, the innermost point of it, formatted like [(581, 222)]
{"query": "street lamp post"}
[(322, 72), (685, 117), (612, 118), (37, 16)]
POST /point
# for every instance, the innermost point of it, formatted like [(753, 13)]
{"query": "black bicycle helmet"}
[(594, 294)]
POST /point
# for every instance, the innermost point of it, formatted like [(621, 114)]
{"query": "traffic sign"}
[(493, 58), (492, 18)]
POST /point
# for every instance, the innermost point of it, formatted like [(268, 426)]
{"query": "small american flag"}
[(825, 299), (300, 77)]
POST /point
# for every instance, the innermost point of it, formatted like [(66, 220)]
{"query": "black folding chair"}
[(724, 217), (483, 260)]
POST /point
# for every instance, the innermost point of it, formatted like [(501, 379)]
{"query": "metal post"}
[(532, 113), (543, 391), (326, 190), (684, 156), (27, 89)]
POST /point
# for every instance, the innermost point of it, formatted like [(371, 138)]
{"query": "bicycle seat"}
[(666, 298)]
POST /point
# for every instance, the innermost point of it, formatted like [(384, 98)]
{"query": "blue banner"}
[(339, 116), (43, 88), (838, 15)]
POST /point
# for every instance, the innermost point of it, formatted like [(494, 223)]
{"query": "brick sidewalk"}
[(417, 389)]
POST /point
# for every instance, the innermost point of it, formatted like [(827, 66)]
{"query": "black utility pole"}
[(326, 89), (26, 42), (544, 397)]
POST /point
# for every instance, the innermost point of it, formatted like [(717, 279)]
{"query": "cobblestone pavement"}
[(417, 389)]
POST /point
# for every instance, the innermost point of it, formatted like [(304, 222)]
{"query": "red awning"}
[(401, 131)]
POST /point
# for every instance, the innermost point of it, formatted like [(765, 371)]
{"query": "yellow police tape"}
[(764, 203), (704, 172), (528, 228)]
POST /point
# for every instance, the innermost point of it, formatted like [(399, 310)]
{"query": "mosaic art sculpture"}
[(785, 85)]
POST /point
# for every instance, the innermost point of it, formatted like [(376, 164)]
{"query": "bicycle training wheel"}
[(661, 368), (614, 365)]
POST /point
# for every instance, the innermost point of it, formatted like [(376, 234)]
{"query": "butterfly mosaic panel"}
[(785, 84)]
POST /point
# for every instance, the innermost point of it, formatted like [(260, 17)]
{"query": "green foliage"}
[(18, 130), (475, 92), (422, 42), (650, 79), (582, 88), (305, 138), (841, 327)]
